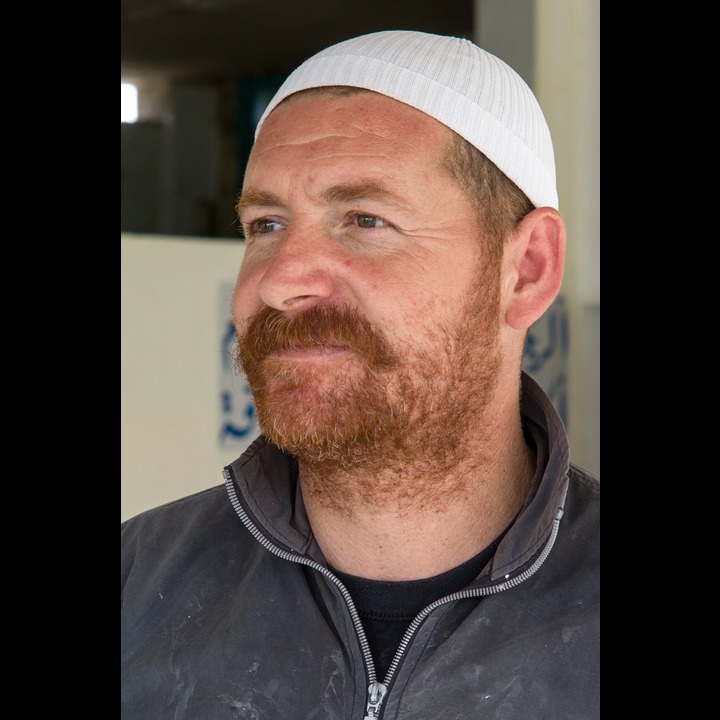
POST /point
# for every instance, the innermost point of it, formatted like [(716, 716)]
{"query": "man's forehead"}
[(364, 111)]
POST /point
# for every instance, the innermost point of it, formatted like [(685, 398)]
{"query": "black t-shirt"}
[(387, 608)]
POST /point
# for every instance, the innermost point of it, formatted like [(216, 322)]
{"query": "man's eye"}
[(262, 227), (369, 221)]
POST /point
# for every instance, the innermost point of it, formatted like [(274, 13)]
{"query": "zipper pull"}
[(376, 693)]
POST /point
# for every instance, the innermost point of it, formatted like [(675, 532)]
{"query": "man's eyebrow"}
[(363, 190), (346, 192), (254, 198)]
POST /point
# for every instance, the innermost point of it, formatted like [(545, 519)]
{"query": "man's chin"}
[(325, 453), (320, 422), (315, 439)]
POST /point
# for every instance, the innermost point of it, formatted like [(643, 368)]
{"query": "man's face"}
[(366, 315)]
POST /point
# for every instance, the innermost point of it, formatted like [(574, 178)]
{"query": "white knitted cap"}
[(454, 81)]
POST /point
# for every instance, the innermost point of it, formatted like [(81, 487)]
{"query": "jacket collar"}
[(266, 481)]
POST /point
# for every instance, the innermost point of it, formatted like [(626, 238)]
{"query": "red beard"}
[(374, 408)]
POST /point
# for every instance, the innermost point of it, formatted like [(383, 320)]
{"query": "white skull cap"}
[(456, 82)]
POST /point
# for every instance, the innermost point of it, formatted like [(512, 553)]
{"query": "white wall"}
[(555, 46), (175, 308), (567, 76)]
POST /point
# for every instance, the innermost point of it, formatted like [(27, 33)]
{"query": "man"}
[(407, 539)]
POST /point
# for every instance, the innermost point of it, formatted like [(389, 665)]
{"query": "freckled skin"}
[(401, 274)]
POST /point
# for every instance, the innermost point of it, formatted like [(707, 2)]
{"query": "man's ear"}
[(534, 260)]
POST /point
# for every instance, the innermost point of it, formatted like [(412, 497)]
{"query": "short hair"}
[(499, 203)]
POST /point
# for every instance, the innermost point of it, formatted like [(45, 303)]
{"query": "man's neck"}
[(408, 522)]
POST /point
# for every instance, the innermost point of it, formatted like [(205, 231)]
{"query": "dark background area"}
[(205, 69), (232, 39)]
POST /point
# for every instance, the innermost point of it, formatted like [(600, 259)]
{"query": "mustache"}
[(272, 331)]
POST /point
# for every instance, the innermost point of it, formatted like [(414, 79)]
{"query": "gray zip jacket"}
[(229, 610)]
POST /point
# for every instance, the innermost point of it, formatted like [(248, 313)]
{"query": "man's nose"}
[(302, 269)]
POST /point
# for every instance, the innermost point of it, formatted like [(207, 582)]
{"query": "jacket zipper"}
[(377, 691)]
